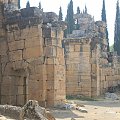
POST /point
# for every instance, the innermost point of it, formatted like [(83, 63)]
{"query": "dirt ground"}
[(4, 118), (97, 110)]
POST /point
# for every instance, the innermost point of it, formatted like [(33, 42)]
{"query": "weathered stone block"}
[(16, 55), (16, 45), (33, 52), (77, 48), (32, 42)]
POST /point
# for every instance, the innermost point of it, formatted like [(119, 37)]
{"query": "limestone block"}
[(85, 77), (86, 48), (60, 95), (50, 51), (5, 99), (50, 94), (50, 61), (20, 100), (55, 42), (2, 32), (108, 78), (94, 84), (32, 42), (8, 90), (71, 48), (3, 47), (36, 84), (17, 35), (33, 31), (4, 58), (50, 84), (59, 84), (94, 68), (60, 52), (60, 61), (16, 55), (17, 65), (10, 37), (41, 76), (77, 48), (39, 69), (16, 45), (102, 78), (36, 93), (8, 80), (20, 90), (105, 84), (19, 81), (33, 52)]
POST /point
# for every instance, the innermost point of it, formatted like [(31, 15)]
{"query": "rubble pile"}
[(31, 110), (111, 96), (72, 106)]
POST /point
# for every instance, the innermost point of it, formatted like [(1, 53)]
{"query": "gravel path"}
[(97, 110)]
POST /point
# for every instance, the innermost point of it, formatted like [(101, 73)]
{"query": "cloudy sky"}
[(94, 8)]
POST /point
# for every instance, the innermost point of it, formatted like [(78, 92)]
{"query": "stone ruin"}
[(30, 111), (90, 69), (31, 57), (34, 65)]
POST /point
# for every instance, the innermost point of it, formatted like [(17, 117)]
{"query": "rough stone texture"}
[(78, 66), (32, 62), (31, 56), (90, 69), (31, 110)]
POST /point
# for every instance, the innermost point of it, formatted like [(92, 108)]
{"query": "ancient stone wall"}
[(55, 65), (78, 66), (31, 56), (101, 71)]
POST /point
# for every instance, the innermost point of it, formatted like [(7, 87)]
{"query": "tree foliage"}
[(60, 14), (117, 30), (78, 10), (19, 4), (103, 16), (103, 12), (85, 9), (39, 5), (28, 4), (70, 20)]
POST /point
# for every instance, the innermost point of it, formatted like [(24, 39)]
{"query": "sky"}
[(94, 8)]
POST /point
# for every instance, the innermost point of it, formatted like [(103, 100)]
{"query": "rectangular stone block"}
[(16, 55), (3, 47), (32, 42), (50, 51), (33, 52), (77, 48), (16, 45), (10, 37), (20, 100)]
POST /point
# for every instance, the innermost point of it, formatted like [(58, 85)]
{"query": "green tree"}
[(103, 12), (117, 31), (70, 20), (39, 5), (78, 10), (85, 9), (28, 4), (103, 16), (19, 4), (60, 14)]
